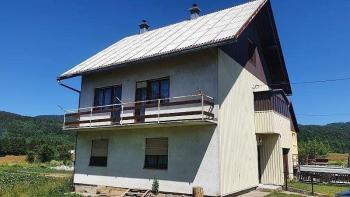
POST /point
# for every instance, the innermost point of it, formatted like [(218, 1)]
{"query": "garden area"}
[(22, 179)]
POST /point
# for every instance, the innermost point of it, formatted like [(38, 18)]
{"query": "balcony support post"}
[(158, 110), (90, 116), (121, 114), (64, 120), (202, 106)]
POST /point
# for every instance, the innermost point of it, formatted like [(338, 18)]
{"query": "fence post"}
[(312, 183)]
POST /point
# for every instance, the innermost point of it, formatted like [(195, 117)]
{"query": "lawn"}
[(26, 180), (279, 194), (329, 190)]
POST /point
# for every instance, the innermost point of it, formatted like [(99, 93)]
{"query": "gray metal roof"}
[(206, 30), (325, 169)]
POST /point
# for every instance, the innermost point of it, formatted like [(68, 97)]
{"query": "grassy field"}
[(329, 190), (337, 159), (20, 179)]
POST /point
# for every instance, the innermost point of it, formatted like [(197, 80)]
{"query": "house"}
[(203, 102)]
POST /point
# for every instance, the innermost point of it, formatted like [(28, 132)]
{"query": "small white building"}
[(202, 102)]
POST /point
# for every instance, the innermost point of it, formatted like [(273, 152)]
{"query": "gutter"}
[(68, 87)]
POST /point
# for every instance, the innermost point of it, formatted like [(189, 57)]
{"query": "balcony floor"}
[(144, 125)]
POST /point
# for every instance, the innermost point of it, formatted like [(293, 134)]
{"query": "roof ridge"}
[(212, 28), (201, 16)]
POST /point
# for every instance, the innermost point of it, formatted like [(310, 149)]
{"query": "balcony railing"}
[(176, 109)]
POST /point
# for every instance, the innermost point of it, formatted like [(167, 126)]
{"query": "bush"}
[(31, 156), (64, 154), (46, 153), (155, 186)]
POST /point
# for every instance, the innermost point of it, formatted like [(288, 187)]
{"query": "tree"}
[(46, 153), (64, 154), (312, 149)]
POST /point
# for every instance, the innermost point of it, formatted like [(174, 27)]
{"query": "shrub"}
[(46, 153), (64, 154), (31, 156), (155, 186)]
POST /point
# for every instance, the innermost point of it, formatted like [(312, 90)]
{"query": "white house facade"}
[(201, 103)]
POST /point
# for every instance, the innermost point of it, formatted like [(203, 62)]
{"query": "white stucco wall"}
[(187, 74), (193, 155)]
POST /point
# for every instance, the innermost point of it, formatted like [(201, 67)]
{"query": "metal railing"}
[(192, 107)]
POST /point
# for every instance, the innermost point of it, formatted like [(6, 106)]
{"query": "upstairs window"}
[(251, 52), (107, 95), (156, 153), (99, 152), (158, 89)]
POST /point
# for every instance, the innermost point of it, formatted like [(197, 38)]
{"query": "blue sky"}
[(40, 39)]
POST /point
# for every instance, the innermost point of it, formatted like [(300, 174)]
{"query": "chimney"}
[(143, 26), (194, 10)]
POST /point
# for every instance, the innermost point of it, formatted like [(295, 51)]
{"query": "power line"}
[(323, 115), (309, 82), (322, 81)]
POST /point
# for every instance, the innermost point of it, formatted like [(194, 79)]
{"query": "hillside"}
[(25, 133), (47, 128), (337, 135)]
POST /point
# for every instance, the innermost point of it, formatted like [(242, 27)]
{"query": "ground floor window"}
[(156, 153), (99, 152)]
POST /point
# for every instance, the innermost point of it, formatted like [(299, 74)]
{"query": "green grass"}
[(31, 180), (329, 190), (279, 194)]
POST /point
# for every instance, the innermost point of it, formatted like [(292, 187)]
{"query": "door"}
[(107, 99), (259, 162), (117, 95), (285, 163), (140, 107)]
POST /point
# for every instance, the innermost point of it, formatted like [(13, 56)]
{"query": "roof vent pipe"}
[(143, 26), (194, 10)]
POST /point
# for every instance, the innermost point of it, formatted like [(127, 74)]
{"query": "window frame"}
[(113, 93), (147, 167), (149, 90), (91, 164)]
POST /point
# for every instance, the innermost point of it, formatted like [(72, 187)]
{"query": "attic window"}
[(251, 52)]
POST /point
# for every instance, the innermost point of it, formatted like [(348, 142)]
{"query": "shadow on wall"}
[(187, 147), (267, 161)]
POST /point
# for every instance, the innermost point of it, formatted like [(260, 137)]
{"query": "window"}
[(156, 153), (158, 89), (251, 52), (150, 90), (107, 95), (99, 152)]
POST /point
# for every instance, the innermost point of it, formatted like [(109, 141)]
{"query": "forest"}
[(42, 138)]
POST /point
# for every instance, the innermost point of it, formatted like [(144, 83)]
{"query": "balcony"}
[(177, 110), (271, 112)]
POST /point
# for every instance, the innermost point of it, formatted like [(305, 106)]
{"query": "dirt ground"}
[(10, 159)]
